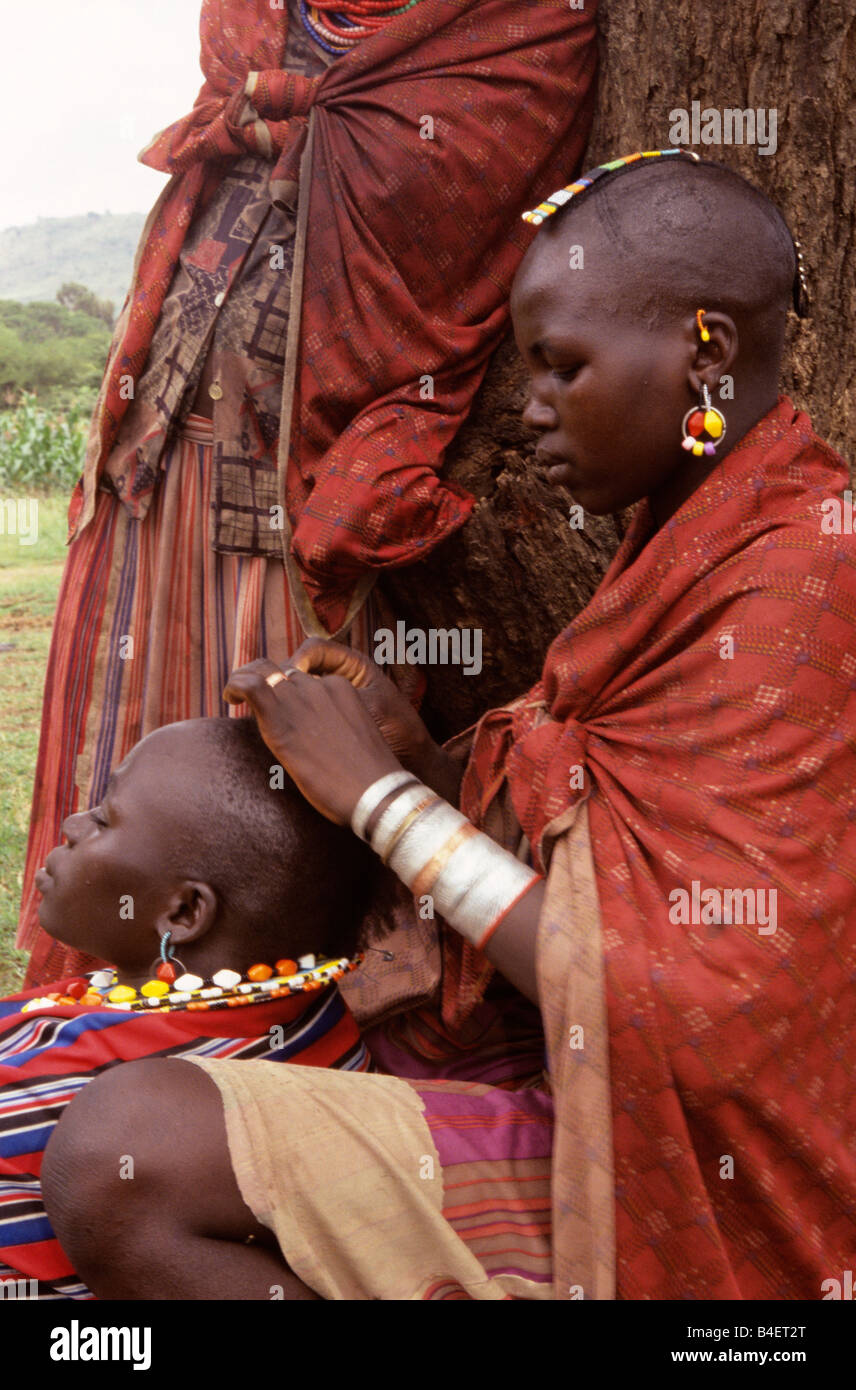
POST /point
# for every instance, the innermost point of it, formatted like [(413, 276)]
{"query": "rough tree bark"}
[(517, 570)]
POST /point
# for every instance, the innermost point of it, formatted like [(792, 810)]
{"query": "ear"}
[(191, 911), (715, 358)]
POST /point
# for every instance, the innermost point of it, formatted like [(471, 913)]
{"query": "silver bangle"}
[(475, 880), (496, 883), (374, 795), (390, 820), (423, 839)]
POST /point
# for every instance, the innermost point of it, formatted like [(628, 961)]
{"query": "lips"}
[(559, 470), (42, 880)]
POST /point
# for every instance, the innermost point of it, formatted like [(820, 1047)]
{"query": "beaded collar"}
[(225, 989), (337, 26)]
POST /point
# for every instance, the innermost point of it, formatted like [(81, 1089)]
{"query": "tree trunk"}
[(518, 571)]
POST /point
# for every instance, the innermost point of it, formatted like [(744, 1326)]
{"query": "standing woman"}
[(334, 250)]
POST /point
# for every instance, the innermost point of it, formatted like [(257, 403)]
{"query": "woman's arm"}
[(331, 747)]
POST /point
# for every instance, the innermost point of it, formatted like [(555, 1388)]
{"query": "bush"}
[(42, 448), (49, 349)]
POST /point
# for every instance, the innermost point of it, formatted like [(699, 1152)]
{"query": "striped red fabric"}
[(48, 1055), (193, 616), (495, 1148)]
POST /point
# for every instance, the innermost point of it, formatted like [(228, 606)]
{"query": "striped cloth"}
[(150, 623), (382, 1188), (495, 1149), (47, 1056)]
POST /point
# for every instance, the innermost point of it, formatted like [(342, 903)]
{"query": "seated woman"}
[(211, 884), (668, 868)]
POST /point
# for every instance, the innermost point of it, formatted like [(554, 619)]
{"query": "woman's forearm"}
[(480, 890), (512, 947), (442, 773)]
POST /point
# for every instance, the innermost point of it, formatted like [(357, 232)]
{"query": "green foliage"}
[(43, 449), (77, 297), (29, 581), (50, 350)]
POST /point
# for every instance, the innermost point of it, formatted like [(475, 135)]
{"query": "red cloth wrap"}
[(731, 763), (412, 247)]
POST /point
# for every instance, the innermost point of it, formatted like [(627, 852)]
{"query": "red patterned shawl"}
[(410, 253), (709, 692)]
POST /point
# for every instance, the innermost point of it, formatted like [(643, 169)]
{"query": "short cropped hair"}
[(300, 883), (682, 234)]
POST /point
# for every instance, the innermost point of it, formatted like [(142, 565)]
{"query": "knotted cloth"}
[(428, 141), (708, 694)]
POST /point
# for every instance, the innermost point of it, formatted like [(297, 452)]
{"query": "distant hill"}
[(96, 250)]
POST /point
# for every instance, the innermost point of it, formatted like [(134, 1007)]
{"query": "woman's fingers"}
[(248, 684), (319, 658)]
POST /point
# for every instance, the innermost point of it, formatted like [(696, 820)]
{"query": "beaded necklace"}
[(227, 989), (337, 26)]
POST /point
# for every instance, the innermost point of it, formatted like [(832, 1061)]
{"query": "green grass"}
[(29, 583)]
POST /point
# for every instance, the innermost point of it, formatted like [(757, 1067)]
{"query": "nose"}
[(538, 413), (73, 826)]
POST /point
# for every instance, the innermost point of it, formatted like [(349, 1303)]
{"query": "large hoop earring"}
[(703, 427)]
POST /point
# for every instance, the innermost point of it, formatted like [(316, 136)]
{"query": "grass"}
[(29, 582)]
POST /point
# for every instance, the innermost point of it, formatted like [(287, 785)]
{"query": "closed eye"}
[(566, 373), (96, 816)]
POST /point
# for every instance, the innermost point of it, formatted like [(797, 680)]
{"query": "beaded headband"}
[(562, 196)]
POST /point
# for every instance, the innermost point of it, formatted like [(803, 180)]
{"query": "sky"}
[(87, 84)]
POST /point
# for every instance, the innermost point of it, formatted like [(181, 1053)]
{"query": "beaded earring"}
[(703, 419), (168, 960)]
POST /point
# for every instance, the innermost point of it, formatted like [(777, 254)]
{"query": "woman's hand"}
[(319, 731), (393, 714)]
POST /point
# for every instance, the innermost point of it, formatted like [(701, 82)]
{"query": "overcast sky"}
[(87, 83)]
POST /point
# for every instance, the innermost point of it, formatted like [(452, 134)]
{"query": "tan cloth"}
[(572, 991), (343, 1169)]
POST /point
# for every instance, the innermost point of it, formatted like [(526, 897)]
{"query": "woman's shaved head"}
[(669, 236)]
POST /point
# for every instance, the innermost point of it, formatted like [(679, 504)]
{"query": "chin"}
[(595, 505)]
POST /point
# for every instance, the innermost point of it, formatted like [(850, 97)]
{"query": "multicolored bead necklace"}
[(227, 989), (564, 195), (338, 25)]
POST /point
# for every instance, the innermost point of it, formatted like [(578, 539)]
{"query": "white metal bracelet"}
[(425, 838), (473, 880), (388, 825), (374, 795)]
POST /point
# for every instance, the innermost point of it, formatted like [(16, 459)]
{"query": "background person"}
[(315, 299)]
